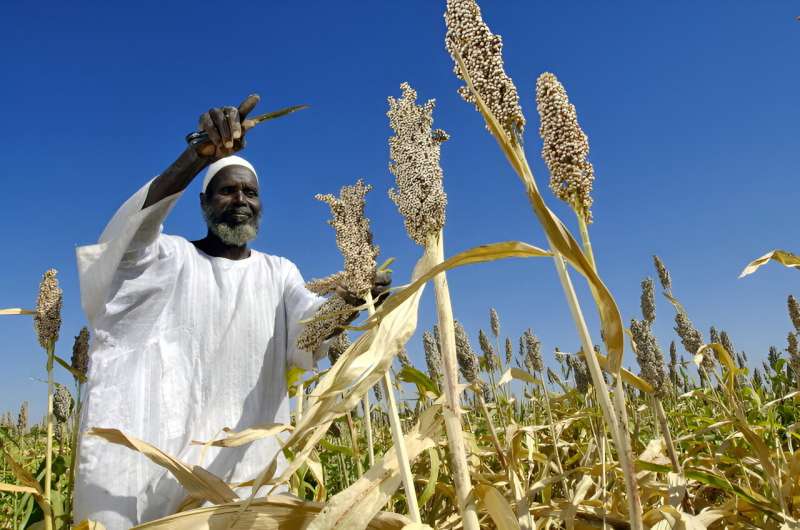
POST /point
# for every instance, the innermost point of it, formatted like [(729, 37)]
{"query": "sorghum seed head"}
[(794, 312), (648, 300), (47, 320), (326, 285), (402, 356), (432, 356), (338, 346), (414, 150), (488, 351), (80, 352), (649, 356), (757, 380), (663, 274), (726, 342), (713, 335), (690, 337), (580, 372), (62, 403), (467, 358), (494, 322), (376, 389), (533, 352), (509, 350), (481, 53), (566, 146), (353, 236), (773, 357), (22, 418), (794, 356), (317, 330)]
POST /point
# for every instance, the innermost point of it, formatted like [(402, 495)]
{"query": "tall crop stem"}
[(452, 406)]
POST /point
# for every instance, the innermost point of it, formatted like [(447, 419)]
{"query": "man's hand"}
[(225, 128), (379, 291)]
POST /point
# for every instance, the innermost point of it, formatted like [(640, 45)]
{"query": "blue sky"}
[(690, 108)]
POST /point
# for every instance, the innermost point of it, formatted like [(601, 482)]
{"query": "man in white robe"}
[(189, 337)]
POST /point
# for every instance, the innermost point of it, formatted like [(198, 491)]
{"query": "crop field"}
[(492, 432)]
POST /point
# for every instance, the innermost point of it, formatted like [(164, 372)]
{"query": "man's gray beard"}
[(234, 236)]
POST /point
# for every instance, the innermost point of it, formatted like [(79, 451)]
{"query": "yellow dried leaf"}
[(498, 507), (357, 505), (199, 482), (781, 256), (246, 436)]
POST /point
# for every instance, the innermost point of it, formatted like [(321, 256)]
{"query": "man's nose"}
[(239, 197)]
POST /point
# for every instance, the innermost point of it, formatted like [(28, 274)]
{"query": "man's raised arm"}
[(226, 136)]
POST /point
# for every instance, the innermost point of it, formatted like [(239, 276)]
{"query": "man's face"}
[(231, 205)]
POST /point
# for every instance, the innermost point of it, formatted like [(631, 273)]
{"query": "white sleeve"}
[(300, 304), (129, 239)]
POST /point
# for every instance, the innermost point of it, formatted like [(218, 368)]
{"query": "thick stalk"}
[(48, 473), (662, 419), (617, 425), (397, 437), (452, 405)]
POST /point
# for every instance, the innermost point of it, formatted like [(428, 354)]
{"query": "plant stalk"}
[(48, 472), (397, 437), (452, 406), (662, 419), (617, 424)]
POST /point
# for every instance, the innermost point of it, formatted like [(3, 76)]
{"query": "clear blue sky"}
[(691, 110)]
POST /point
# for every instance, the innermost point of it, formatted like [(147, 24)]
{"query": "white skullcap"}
[(232, 160)]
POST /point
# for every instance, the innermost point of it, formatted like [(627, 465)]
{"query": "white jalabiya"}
[(184, 344)]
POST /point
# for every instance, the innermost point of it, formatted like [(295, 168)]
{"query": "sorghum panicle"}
[(47, 320), (663, 274), (467, 358), (757, 380), (22, 418), (494, 322), (338, 346), (509, 350), (673, 363), (713, 335), (565, 146), (488, 351), (533, 352), (432, 356), (326, 285), (317, 330), (690, 337), (649, 356), (794, 353), (794, 312), (402, 356), (80, 352), (580, 372), (726, 342), (482, 54), (773, 356), (62, 403), (648, 300), (353, 236), (414, 150)]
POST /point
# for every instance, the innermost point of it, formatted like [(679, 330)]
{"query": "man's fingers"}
[(232, 115), (383, 278), (218, 115), (207, 125), (246, 106)]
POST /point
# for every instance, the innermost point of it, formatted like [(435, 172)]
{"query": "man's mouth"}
[(239, 216)]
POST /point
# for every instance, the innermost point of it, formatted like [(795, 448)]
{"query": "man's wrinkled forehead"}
[(231, 175)]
